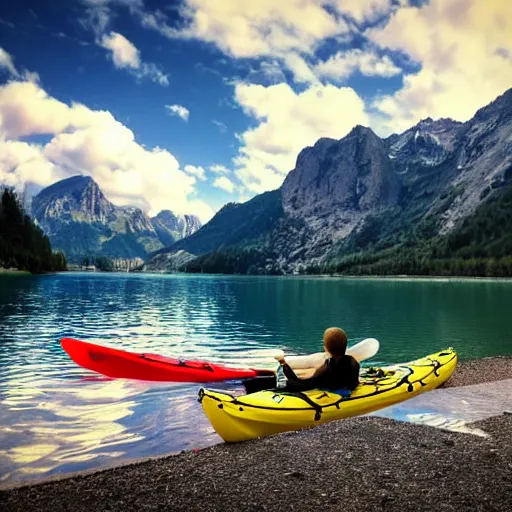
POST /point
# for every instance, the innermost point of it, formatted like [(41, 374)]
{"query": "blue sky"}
[(190, 104)]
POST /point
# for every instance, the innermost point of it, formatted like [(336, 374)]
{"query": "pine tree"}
[(23, 245)]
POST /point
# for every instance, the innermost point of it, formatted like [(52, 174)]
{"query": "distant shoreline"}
[(338, 276), (413, 276), (13, 271), (398, 277)]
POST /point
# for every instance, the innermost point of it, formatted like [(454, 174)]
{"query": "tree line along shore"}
[(23, 245), (480, 247)]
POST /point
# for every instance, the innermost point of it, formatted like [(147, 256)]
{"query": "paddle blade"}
[(361, 351), (365, 349)]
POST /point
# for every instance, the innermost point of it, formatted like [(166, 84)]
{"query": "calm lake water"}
[(56, 417)]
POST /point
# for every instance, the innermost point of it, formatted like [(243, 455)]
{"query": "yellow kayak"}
[(269, 412)]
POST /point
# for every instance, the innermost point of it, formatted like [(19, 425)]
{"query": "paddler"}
[(340, 371)]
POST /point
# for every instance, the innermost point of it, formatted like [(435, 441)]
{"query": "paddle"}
[(303, 365), (361, 351)]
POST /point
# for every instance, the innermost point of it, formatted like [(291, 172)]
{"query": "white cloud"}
[(125, 55), (196, 171), (272, 71), (343, 64), (282, 30), (288, 122), (126, 3), (224, 183), (98, 18), (88, 142), (288, 32), (220, 125), (7, 62), (21, 162), (363, 10), (254, 29), (178, 110), (219, 169), (459, 47), (151, 70), (26, 109), (124, 52), (99, 13), (301, 70), (242, 198)]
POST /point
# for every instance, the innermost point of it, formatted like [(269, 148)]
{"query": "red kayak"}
[(131, 365)]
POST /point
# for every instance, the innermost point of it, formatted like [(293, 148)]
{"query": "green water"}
[(56, 417)]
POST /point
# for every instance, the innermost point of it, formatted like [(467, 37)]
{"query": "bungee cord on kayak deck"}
[(261, 414)]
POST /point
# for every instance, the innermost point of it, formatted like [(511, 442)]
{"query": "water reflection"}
[(67, 425), (56, 417), (455, 409)]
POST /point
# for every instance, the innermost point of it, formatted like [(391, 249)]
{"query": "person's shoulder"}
[(352, 361)]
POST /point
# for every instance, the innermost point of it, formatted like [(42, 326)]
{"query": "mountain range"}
[(81, 221), (366, 202)]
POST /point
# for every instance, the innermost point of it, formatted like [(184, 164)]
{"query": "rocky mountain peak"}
[(138, 221), (193, 223), (167, 215), (363, 193), (78, 197), (172, 226), (336, 183), (441, 125), (426, 144), (500, 108), (483, 158), (361, 131), (79, 219)]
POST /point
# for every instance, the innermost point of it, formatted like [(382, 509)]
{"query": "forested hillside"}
[(433, 200), (480, 246), (23, 245)]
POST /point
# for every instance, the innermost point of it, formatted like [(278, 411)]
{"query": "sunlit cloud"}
[(7, 62), (91, 142), (125, 55), (343, 64), (285, 31), (224, 183), (363, 11), (287, 122), (462, 49), (178, 110), (124, 52), (219, 169), (196, 171)]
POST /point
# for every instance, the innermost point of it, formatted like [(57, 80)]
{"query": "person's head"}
[(335, 341)]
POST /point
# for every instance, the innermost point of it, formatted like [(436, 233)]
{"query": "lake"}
[(56, 417)]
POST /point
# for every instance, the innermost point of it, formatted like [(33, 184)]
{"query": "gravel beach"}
[(364, 463)]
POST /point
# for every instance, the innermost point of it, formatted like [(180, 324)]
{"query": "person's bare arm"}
[(292, 377)]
